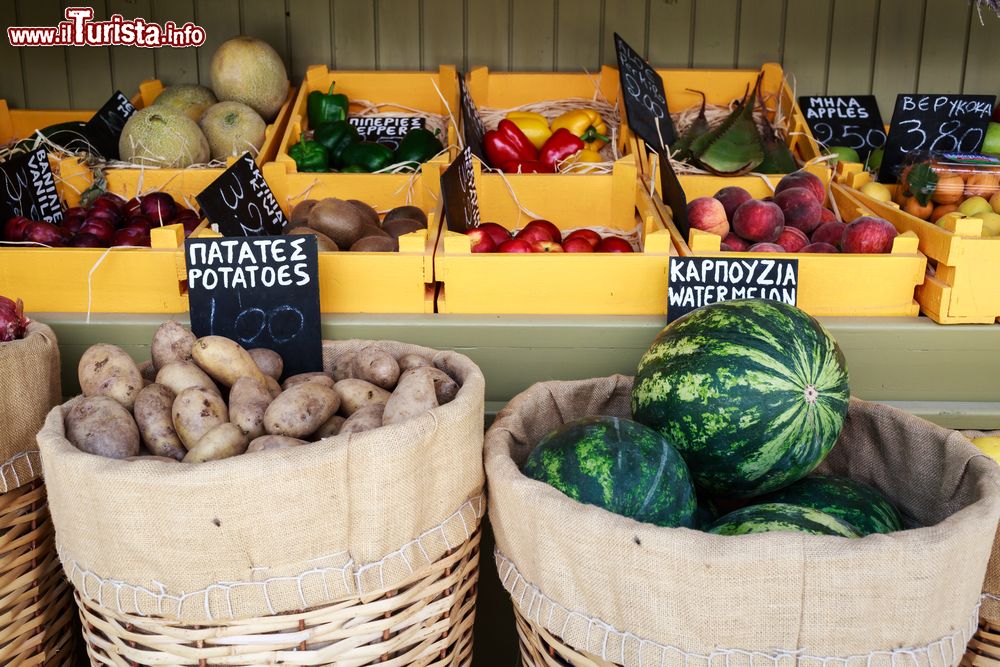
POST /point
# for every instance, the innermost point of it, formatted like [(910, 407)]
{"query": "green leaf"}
[(921, 182)]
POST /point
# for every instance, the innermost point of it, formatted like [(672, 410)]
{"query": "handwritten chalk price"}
[(241, 203)]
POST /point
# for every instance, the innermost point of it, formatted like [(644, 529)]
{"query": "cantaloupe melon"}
[(248, 70), (189, 99), (158, 136), (232, 128)]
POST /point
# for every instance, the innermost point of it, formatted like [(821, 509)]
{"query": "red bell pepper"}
[(560, 146), (507, 143), (525, 167)]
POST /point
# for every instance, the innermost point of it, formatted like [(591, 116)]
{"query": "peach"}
[(758, 221), (803, 179), (914, 207), (982, 185), (732, 197), (709, 215), (800, 208), (792, 239), (826, 215), (828, 232), (766, 247), (819, 247), (868, 235), (735, 242), (948, 189), (577, 244), (941, 211)]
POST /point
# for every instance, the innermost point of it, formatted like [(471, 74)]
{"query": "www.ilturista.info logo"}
[(79, 29)]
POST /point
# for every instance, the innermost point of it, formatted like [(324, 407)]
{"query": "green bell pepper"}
[(418, 146), (354, 169), (326, 107), (309, 155), (335, 137), (368, 155)]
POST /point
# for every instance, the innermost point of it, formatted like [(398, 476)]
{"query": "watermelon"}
[(705, 514), (781, 517), (858, 504), (619, 465), (752, 393)]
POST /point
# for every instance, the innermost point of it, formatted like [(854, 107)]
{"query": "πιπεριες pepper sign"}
[(699, 281), (645, 100), (473, 129), (458, 189), (260, 292), (29, 187), (241, 203), (934, 124), (387, 130), (104, 129), (852, 121)]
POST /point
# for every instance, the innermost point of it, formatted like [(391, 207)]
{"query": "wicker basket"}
[(984, 649), (540, 648)]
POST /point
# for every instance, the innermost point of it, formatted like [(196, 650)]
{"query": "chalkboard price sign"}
[(458, 188), (473, 129), (673, 194), (260, 292), (852, 121), (104, 129), (29, 187), (387, 130), (934, 123), (645, 99), (699, 281), (241, 203)]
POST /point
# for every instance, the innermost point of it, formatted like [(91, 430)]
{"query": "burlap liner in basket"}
[(285, 530), (634, 594)]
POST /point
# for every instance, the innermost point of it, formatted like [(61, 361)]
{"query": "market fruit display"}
[(13, 322), (205, 399), (618, 465), (526, 142), (752, 393), (781, 517), (940, 189), (542, 236), (250, 71), (349, 224), (860, 505), (189, 99)]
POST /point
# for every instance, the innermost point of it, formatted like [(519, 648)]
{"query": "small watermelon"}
[(752, 393), (706, 513), (858, 504), (781, 517), (619, 465)]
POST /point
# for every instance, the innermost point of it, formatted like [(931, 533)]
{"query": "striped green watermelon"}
[(781, 517), (619, 465), (752, 393), (858, 504)]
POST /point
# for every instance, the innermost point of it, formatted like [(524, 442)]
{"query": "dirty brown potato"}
[(248, 400), (107, 370), (300, 212), (268, 361), (300, 410), (225, 360), (148, 372), (445, 389), (365, 419), (273, 387), (101, 425), (323, 242), (329, 428), (179, 375), (408, 361), (400, 226), (156, 426), (152, 457), (321, 377), (342, 366), (222, 442), (356, 394), (376, 244), (266, 442), (406, 212), (339, 220), (376, 366), (414, 395), (195, 412), (171, 342)]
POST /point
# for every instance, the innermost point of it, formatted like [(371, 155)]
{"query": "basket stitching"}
[(8, 470)]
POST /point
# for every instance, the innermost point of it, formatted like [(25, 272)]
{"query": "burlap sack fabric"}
[(263, 534), (635, 594)]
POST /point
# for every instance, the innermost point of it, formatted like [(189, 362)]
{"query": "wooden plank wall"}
[(835, 46)]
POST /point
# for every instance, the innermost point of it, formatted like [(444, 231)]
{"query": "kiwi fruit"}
[(371, 215), (300, 212), (399, 226), (343, 223), (372, 230), (376, 244), (323, 242), (411, 212)]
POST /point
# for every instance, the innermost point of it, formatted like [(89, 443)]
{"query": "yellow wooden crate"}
[(564, 283), (829, 284), (962, 285)]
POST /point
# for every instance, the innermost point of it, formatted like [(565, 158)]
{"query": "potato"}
[(340, 221), (376, 366), (342, 367), (171, 342), (195, 412), (411, 212), (265, 442), (371, 215), (300, 212), (356, 394), (300, 410), (156, 426), (107, 370), (147, 371), (225, 360), (152, 457), (414, 395), (268, 361), (365, 419), (330, 427), (180, 375), (400, 226), (445, 389), (319, 377), (273, 387), (408, 361), (376, 244), (101, 425), (323, 242), (248, 400), (221, 442)]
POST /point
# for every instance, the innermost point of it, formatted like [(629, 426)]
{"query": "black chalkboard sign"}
[(673, 194), (853, 121), (387, 130), (473, 129), (241, 203), (260, 292), (458, 188), (645, 100), (29, 187), (934, 123), (699, 281), (104, 129)]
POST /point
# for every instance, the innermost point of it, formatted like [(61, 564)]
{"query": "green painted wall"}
[(835, 46)]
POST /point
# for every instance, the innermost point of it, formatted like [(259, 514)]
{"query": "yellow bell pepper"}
[(586, 124), (534, 126), (588, 155)]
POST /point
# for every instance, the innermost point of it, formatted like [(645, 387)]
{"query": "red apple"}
[(159, 207), (589, 235), (140, 221), (800, 209), (498, 233), (105, 214), (47, 233), (759, 221), (803, 179), (826, 215), (555, 234), (14, 228), (613, 244), (87, 241), (766, 247), (131, 235), (732, 197), (514, 245), (190, 223), (110, 199), (735, 242), (107, 207), (709, 215), (819, 247), (99, 227), (577, 244), (532, 234), (829, 232), (132, 207), (481, 240), (868, 235), (546, 246), (792, 239)]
